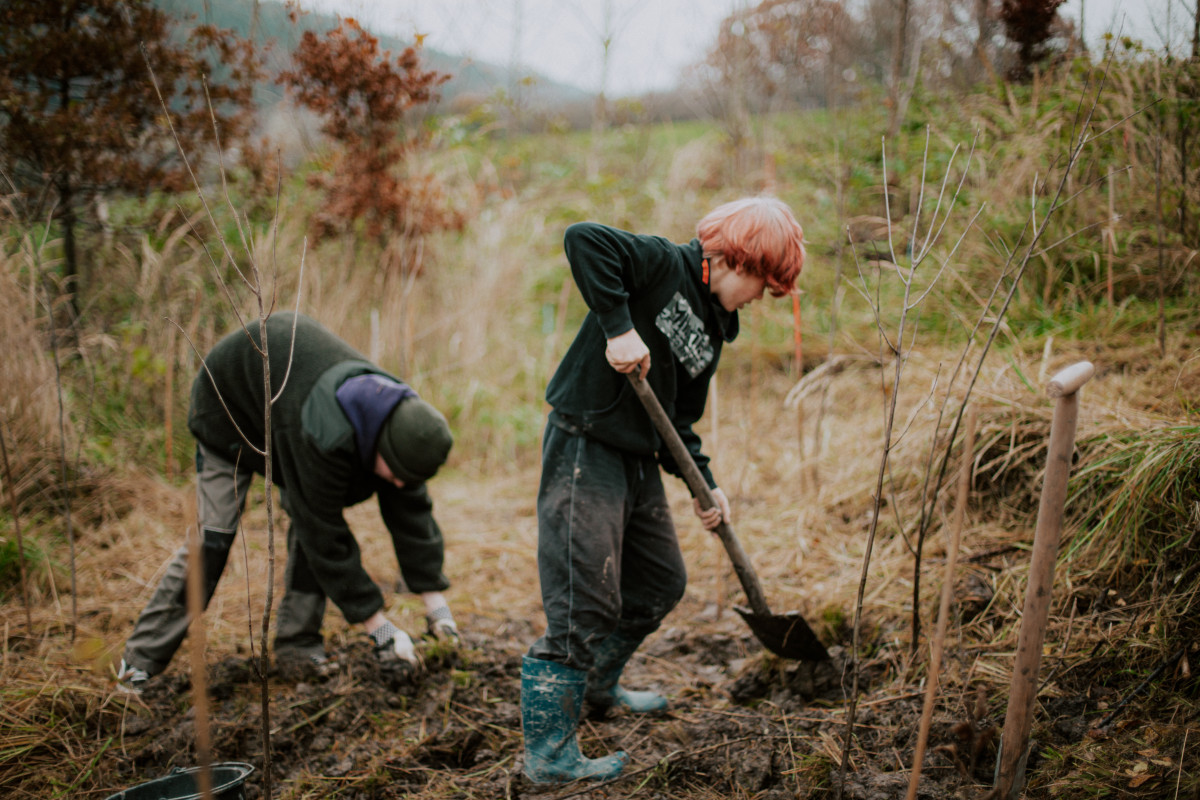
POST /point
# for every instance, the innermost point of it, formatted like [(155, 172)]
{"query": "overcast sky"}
[(652, 40)]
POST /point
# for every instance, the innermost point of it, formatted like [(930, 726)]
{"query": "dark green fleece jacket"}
[(661, 289), (315, 458)]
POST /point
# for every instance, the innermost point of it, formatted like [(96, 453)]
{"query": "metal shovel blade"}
[(786, 635)]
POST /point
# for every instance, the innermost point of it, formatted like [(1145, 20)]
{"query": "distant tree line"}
[(821, 53)]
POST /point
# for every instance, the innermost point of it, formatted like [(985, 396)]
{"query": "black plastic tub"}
[(184, 784)]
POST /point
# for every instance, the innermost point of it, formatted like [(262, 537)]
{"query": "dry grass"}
[(29, 409)]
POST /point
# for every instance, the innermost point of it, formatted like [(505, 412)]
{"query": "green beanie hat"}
[(414, 440)]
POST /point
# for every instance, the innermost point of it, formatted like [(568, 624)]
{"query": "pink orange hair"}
[(758, 236)]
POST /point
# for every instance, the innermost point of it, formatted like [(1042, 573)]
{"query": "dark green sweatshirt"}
[(315, 457), (659, 288)]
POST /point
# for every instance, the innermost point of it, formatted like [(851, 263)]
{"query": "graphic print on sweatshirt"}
[(685, 331)]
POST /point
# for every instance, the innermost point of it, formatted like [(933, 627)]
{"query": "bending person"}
[(342, 430)]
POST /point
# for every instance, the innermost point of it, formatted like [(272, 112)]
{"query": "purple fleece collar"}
[(367, 401)]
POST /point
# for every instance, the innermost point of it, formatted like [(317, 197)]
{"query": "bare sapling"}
[(895, 349), (1030, 247), (252, 279)]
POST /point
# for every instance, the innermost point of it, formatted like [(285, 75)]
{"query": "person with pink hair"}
[(609, 561)]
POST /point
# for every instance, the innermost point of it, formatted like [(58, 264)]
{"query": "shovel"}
[(1022, 695), (786, 635)]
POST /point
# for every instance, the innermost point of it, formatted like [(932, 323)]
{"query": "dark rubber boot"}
[(551, 702), (603, 688)]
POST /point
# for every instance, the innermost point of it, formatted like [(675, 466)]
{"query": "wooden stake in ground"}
[(1014, 748), (939, 638), (197, 633)]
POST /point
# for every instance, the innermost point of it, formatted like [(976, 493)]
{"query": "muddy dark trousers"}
[(608, 557), (609, 564), (301, 609), (220, 497)]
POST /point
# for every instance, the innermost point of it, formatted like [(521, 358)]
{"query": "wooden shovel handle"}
[(1070, 380), (699, 487), (1018, 720)]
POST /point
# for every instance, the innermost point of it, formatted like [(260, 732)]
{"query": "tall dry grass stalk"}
[(15, 510), (937, 646), (29, 408)]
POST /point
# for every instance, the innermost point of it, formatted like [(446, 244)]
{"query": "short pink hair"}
[(758, 236)]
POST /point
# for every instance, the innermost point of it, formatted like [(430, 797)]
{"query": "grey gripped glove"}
[(441, 625), (393, 645)]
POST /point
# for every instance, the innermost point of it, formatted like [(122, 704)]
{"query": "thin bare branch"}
[(295, 319), (949, 257), (247, 243), (212, 379), (188, 164)]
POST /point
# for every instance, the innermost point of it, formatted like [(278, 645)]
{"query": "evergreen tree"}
[(79, 114)]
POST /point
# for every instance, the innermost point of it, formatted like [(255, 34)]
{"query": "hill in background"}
[(471, 82)]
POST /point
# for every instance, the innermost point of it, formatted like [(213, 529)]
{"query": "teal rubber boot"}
[(604, 690), (551, 703)]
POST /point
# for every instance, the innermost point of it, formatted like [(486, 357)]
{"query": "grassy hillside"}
[(1031, 228)]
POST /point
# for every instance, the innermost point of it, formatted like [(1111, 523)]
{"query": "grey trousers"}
[(220, 499), (608, 557)]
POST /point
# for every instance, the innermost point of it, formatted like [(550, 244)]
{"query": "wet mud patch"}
[(373, 725), (797, 683), (742, 723)]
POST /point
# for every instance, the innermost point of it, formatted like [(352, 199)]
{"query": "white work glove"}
[(441, 624), (393, 645)]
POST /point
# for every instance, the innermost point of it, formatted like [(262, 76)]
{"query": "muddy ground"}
[(742, 724)]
